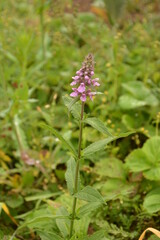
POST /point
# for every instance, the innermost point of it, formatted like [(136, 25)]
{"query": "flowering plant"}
[(86, 85)]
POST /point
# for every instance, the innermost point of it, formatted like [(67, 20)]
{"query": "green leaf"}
[(146, 159), (41, 196), (100, 235), (138, 95), (99, 145), (152, 149), (137, 161), (111, 167), (73, 106), (116, 188), (90, 194), (21, 138), (66, 143), (63, 224), (128, 102), (70, 175), (152, 201), (14, 201), (40, 219), (98, 124), (88, 208), (49, 236)]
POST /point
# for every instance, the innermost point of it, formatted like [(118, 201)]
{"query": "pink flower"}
[(73, 83), (83, 97), (81, 88)]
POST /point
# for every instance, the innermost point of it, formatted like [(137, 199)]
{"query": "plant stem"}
[(77, 170), (42, 28)]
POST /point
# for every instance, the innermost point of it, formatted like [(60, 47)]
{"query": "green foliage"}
[(151, 201), (138, 96), (66, 143), (146, 159), (100, 145), (70, 175), (99, 125), (89, 194)]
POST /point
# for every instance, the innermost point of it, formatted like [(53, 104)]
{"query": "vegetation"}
[(42, 45)]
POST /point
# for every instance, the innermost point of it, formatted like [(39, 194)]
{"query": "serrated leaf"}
[(99, 145), (88, 208), (73, 106), (66, 143), (98, 124), (90, 194), (70, 175), (63, 224)]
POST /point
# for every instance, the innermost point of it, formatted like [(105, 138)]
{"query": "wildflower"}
[(84, 82)]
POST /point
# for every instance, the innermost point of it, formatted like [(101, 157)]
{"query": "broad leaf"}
[(137, 161), (98, 124), (152, 201), (146, 159), (88, 208), (63, 224), (70, 175), (128, 102), (49, 235), (101, 144), (90, 194), (66, 143)]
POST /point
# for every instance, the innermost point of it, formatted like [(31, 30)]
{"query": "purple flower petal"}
[(95, 83), (83, 97), (75, 78), (81, 88), (92, 73), (73, 83), (86, 78), (74, 94)]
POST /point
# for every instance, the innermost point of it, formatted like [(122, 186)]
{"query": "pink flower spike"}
[(83, 97), (92, 73), (81, 88)]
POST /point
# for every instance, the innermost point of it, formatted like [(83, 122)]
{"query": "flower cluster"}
[(85, 85)]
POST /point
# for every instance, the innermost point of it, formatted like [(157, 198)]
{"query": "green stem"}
[(77, 170), (42, 28), (157, 123)]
